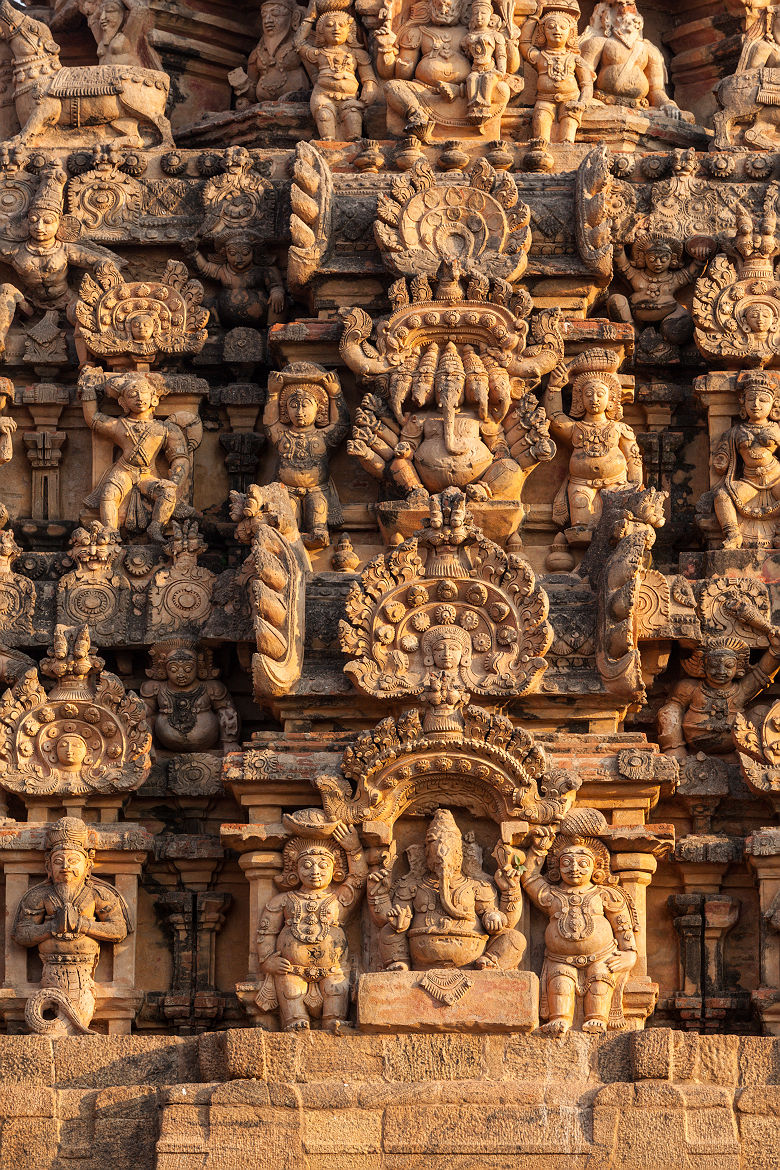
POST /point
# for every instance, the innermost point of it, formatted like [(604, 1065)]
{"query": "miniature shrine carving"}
[(736, 305), (188, 708), (86, 734), (445, 615), (446, 912), (141, 319), (306, 419), (590, 942), (301, 945), (67, 917)]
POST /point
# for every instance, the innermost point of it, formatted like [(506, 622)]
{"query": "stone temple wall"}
[(389, 584)]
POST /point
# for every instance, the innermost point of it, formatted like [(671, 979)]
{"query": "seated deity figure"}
[(66, 918), (629, 69), (440, 915), (564, 81), (189, 709), (747, 498), (701, 709), (750, 97), (121, 30), (274, 70), (590, 942), (150, 499), (487, 50), (426, 69), (344, 80), (604, 451), (306, 419), (301, 944)]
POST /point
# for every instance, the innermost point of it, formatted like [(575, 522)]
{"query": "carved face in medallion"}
[(315, 869), (759, 318), (71, 752), (576, 864)]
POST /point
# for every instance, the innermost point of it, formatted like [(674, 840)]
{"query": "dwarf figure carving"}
[(248, 289), (345, 83), (66, 918), (604, 451), (564, 82), (133, 490), (656, 273), (747, 498), (274, 70), (189, 709), (445, 912), (306, 418), (590, 941), (301, 944), (701, 710)]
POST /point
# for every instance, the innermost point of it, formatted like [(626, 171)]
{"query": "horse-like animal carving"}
[(47, 95)]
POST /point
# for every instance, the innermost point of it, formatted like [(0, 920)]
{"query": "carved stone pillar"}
[(45, 401), (763, 853)]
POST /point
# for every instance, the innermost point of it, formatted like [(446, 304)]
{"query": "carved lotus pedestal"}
[(448, 999)]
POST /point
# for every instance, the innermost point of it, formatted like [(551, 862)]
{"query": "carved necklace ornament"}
[(87, 734)]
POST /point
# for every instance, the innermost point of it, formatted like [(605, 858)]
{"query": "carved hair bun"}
[(583, 822)]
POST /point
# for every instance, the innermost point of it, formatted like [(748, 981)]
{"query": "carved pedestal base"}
[(448, 1000), (498, 519)]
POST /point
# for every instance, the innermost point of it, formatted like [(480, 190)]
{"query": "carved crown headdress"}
[(68, 833)]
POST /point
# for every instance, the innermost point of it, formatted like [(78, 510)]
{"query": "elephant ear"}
[(69, 229)]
